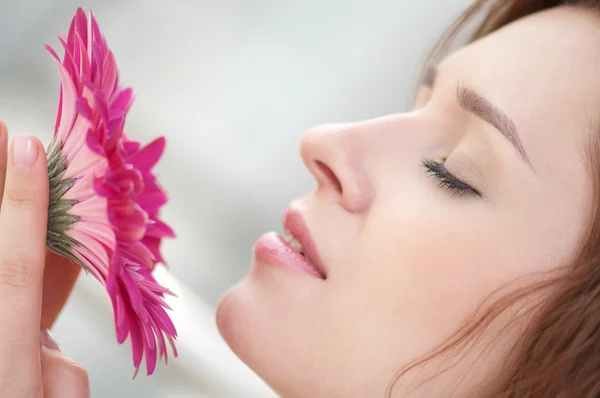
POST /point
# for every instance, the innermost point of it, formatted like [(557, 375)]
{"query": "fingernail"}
[(47, 341), (25, 152)]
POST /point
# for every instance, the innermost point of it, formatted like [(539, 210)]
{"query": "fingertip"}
[(25, 152), (26, 184), (62, 376)]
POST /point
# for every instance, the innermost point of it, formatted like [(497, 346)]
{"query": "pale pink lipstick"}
[(297, 250)]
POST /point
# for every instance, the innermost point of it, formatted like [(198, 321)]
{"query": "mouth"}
[(295, 250)]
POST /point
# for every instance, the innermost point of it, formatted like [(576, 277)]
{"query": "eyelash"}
[(448, 180)]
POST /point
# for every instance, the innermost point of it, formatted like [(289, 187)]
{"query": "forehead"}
[(542, 70)]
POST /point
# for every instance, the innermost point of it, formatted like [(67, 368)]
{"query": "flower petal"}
[(148, 156)]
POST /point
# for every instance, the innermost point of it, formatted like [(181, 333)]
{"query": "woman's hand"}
[(34, 284)]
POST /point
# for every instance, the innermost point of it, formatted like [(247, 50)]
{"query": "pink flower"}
[(104, 197)]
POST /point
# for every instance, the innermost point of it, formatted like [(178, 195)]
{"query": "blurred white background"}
[(232, 84)]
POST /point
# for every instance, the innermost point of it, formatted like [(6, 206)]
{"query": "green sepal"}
[(59, 218)]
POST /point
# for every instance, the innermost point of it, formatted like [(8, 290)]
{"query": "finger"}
[(60, 275), (3, 150), (23, 218), (62, 377)]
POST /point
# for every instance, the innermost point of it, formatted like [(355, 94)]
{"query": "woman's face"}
[(417, 217)]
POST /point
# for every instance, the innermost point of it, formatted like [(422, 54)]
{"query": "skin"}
[(34, 284), (408, 261)]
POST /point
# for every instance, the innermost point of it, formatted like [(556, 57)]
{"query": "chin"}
[(243, 324), (232, 318), (258, 318), (244, 321)]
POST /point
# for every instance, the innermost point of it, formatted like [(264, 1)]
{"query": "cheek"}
[(420, 272)]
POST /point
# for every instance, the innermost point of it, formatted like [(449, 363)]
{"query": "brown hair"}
[(557, 353)]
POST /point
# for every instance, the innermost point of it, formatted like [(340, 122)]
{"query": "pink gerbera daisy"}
[(104, 197)]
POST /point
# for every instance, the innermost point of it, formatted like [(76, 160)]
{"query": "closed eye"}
[(448, 180)]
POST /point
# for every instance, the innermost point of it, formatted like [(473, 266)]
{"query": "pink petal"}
[(69, 96), (138, 252), (160, 230), (149, 155), (134, 226), (110, 78)]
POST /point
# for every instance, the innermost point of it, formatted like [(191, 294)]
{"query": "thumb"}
[(62, 377)]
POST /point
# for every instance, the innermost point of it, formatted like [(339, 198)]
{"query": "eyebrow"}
[(475, 103)]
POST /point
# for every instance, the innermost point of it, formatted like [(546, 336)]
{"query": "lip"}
[(293, 222), (274, 249)]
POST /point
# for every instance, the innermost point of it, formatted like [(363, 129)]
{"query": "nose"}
[(335, 157)]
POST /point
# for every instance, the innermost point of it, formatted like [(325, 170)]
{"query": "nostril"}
[(329, 176)]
